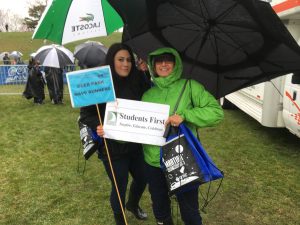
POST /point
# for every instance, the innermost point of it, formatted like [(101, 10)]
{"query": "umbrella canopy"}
[(66, 21), (54, 56), (225, 44), (15, 54), (32, 55), (90, 53)]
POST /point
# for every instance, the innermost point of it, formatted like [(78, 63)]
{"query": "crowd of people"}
[(15, 60)]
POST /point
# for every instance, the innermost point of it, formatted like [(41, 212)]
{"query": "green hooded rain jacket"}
[(197, 107)]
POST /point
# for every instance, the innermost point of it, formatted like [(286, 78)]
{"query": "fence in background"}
[(13, 74), (18, 74)]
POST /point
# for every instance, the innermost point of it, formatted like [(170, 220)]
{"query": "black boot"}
[(136, 211), (168, 221), (119, 219), (132, 206)]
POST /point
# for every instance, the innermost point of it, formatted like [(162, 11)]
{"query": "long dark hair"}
[(112, 51)]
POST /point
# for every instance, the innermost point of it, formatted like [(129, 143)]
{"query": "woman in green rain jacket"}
[(197, 108)]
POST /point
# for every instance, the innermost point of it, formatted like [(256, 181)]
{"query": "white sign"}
[(136, 121)]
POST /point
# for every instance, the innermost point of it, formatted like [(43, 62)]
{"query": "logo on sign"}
[(112, 118), (89, 17), (88, 21)]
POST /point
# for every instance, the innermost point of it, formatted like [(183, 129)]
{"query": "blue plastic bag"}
[(185, 162)]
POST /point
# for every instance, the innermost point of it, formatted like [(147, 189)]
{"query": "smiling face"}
[(164, 68), (122, 63)]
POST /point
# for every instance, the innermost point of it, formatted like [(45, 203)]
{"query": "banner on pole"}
[(90, 86), (136, 121)]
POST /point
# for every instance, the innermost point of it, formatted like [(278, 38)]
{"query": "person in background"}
[(19, 61), (142, 66), (6, 59), (35, 83), (27, 92), (197, 108), (81, 65), (55, 84), (127, 158)]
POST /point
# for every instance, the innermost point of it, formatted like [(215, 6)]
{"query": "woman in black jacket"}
[(129, 83)]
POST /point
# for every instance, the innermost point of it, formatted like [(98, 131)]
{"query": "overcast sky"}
[(19, 7)]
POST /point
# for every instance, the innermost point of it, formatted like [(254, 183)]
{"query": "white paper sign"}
[(136, 121)]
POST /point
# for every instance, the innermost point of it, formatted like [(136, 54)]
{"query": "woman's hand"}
[(100, 131), (174, 120)]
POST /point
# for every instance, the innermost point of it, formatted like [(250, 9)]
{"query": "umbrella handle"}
[(167, 130)]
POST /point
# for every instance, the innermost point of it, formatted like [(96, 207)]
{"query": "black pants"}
[(161, 204), (129, 163)]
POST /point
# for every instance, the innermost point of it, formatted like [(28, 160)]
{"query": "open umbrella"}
[(90, 53), (54, 56), (225, 44), (66, 21), (15, 54), (32, 55)]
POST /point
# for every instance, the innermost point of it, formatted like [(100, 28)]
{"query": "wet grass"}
[(40, 183)]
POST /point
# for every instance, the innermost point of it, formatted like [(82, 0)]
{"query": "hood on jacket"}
[(163, 82)]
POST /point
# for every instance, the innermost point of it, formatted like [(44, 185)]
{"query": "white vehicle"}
[(275, 103)]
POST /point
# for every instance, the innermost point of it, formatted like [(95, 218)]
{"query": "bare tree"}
[(14, 21)]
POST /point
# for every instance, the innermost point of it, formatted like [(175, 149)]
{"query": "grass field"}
[(21, 41), (40, 184)]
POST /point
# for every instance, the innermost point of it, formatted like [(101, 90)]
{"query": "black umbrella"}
[(54, 56), (225, 44), (90, 54)]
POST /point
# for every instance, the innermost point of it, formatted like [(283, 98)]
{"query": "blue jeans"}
[(129, 163), (161, 204)]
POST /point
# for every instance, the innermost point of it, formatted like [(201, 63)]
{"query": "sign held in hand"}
[(90, 86), (136, 121)]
